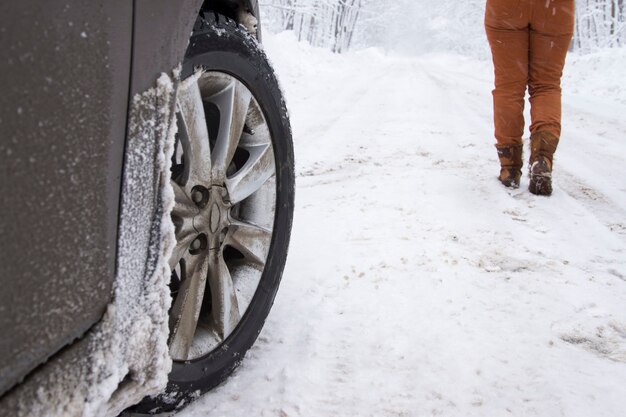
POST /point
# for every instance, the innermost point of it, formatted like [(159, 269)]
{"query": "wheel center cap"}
[(215, 217)]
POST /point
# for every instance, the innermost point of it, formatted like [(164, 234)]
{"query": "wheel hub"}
[(213, 218)]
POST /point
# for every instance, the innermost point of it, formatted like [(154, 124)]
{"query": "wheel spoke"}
[(233, 103), (183, 206), (181, 248), (186, 309), (194, 136), (225, 308), (251, 240), (182, 216), (256, 171)]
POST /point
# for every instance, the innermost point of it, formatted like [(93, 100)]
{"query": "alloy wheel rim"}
[(224, 181)]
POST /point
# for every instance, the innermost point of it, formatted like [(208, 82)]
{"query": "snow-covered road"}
[(416, 284)]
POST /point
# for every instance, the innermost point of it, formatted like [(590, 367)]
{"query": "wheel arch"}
[(230, 8), (236, 10), (153, 54)]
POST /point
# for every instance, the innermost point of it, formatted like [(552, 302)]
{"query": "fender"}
[(162, 29)]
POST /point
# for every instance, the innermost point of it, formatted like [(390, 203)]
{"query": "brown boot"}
[(510, 164), (542, 148)]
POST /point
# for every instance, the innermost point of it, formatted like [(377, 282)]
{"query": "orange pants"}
[(529, 41)]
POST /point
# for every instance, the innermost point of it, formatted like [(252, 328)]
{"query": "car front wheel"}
[(233, 180)]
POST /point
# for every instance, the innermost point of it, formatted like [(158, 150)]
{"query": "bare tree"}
[(425, 25), (600, 24), (326, 23)]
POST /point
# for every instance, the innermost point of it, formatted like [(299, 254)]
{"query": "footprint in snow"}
[(597, 333)]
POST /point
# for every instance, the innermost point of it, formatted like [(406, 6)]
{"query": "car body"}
[(83, 84)]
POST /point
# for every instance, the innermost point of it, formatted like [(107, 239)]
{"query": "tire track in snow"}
[(592, 145), (341, 98), (598, 204)]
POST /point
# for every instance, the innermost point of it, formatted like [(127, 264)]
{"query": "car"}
[(147, 199)]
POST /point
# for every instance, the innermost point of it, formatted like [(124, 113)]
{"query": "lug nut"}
[(224, 194), (196, 244), (197, 196)]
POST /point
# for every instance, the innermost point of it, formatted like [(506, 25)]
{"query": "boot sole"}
[(512, 184), (540, 186)]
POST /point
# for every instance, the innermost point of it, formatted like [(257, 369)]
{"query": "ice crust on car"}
[(125, 356)]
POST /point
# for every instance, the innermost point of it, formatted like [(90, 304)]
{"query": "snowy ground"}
[(416, 284)]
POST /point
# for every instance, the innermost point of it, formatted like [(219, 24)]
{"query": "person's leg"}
[(552, 28), (506, 25)]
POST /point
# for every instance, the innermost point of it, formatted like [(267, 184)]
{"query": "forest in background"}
[(417, 26)]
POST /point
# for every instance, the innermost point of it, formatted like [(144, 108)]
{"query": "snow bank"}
[(601, 74)]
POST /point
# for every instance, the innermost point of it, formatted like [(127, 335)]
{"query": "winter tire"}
[(232, 173)]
